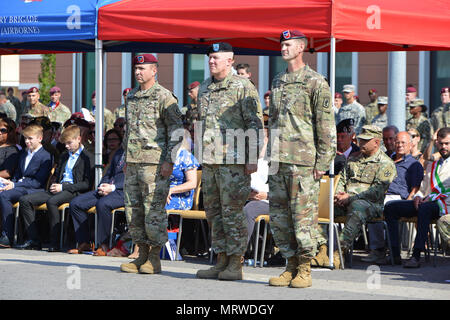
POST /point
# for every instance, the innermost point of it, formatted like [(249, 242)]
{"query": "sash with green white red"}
[(438, 191)]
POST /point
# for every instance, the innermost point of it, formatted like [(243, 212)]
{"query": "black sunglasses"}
[(3, 130)]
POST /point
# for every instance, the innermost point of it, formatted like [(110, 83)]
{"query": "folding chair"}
[(266, 219), (194, 213), (324, 210), (93, 210)]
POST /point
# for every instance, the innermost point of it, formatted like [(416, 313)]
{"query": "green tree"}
[(47, 77)]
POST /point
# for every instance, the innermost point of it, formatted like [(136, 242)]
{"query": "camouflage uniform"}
[(443, 225), (152, 116), (108, 119), (39, 110), (17, 106), (60, 114), (423, 126), (191, 114), (440, 117), (353, 111), (232, 103), (120, 112), (9, 109), (366, 180), (381, 121), (301, 109), (371, 111)]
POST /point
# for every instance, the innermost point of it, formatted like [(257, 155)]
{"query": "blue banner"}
[(47, 20)]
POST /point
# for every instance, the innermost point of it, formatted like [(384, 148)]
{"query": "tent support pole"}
[(331, 172)]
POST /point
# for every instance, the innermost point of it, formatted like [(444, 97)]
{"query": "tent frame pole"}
[(331, 172)]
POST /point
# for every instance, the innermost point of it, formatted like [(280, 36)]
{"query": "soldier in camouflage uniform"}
[(227, 104), (58, 112), (440, 117), (381, 119), (15, 102), (363, 185), (372, 107), (191, 114), (352, 109), (419, 122), (301, 111), (443, 225), (152, 116), (7, 107), (120, 111), (37, 109)]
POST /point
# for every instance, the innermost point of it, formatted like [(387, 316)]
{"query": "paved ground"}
[(60, 276)]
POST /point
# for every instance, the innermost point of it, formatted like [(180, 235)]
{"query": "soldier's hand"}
[(166, 169), (251, 168), (318, 174)]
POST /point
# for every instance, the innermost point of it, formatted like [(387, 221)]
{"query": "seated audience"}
[(9, 153), (72, 176), (119, 125), (415, 152), (404, 187), (389, 134), (431, 202), (45, 123), (111, 143), (107, 197), (30, 176)]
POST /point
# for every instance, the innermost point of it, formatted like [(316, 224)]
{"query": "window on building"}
[(343, 70), (276, 65), (439, 76), (194, 70)]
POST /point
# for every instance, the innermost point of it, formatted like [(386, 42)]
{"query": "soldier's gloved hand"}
[(166, 169), (250, 168)]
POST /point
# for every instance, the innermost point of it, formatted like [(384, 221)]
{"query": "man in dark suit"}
[(344, 143), (108, 196), (73, 175), (30, 177)]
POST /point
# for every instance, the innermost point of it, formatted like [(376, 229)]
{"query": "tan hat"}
[(416, 103), (369, 132), (382, 100), (349, 88)]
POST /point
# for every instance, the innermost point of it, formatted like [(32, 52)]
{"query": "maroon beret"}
[(54, 90), (291, 34), (93, 95), (445, 89), (77, 115), (125, 92), (268, 92), (33, 90), (193, 85), (144, 59), (337, 95), (372, 91), (410, 89)]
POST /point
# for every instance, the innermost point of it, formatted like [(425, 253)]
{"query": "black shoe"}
[(54, 249), (4, 242), (30, 245)]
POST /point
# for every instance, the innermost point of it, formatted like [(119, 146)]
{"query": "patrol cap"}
[(371, 91), (410, 89), (337, 95), (382, 100), (44, 122), (145, 59), (219, 47), (193, 85), (125, 92), (416, 103), (369, 132), (443, 90), (33, 90), (268, 92), (54, 90), (349, 88), (345, 125), (291, 34)]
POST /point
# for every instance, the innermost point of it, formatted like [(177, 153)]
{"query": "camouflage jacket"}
[(39, 110), (371, 111), (380, 120), (423, 125), (152, 116), (353, 111), (440, 117), (227, 111), (191, 114), (60, 114), (301, 109), (367, 178), (120, 111)]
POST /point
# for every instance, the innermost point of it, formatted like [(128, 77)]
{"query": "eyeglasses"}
[(3, 130)]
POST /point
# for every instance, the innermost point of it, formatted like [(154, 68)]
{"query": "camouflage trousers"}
[(225, 191), (443, 225), (358, 212), (293, 200), (145, 193)]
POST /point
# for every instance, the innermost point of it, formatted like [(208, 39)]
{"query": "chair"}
[(93, 210), (324, 209), (194, 213), (266, 219)]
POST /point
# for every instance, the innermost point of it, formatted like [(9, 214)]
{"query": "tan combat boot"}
[(336, 259), (153, 264), (303, 277), (285, 278), (213, 272), (233, 270), (133, 266), (321, 259)]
